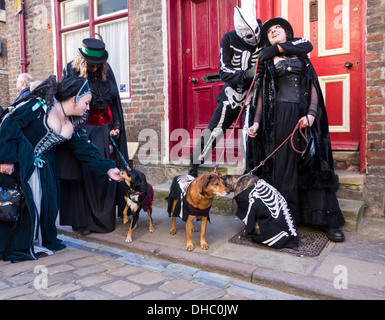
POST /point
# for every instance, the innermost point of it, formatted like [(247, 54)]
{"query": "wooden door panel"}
[(200, 35), (335, 34), (202, 97), (206, 21)]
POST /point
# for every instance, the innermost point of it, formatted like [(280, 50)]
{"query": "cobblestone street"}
[(89, 271)]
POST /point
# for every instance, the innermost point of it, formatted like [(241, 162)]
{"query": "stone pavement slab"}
[(316, 277), (86, 270)]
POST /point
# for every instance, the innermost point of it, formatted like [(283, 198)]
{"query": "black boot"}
[(334, 234)]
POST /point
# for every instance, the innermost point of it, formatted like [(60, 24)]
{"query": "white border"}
[(345, 79), (322, 51)]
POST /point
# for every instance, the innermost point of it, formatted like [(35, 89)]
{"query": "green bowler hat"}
[(93, 51)]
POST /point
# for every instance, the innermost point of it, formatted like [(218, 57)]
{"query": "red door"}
[(203, 23), (334, 28)]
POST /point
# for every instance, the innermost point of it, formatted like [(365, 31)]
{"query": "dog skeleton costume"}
[(183, 209), (238, 54), (263, 204)]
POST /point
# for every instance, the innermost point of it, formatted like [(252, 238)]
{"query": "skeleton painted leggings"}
[(223, 117)]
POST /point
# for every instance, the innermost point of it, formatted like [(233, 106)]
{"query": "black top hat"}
[(93, 51), (272, 22)]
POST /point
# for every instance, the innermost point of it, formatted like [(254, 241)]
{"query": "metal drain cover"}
[(311, 242)]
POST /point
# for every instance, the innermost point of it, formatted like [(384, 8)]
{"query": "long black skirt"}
[(318, 207), (91, 201)]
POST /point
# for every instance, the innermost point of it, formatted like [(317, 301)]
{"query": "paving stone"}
[(132, 262), (11, 293), (87, 295), (85, 271), (93, 280), (202, 293), (179, 275), (124, 271), (147, 278), (182, 268), (3, 285), (211, 279), (249, 294), (178, 286), (60, 268), (112, 263), (59, 290), (121, 288), (132, 256), (153, 295), (89, 261)]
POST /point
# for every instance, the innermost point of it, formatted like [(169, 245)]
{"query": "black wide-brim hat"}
[(93, 51), (272, 22)]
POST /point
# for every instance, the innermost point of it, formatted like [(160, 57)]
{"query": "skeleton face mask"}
[(247, 27)]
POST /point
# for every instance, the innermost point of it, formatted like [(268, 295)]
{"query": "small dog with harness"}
[(263, 210), (191, 198), (139, 196)]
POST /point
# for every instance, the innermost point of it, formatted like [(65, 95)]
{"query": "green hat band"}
[(93, 53)]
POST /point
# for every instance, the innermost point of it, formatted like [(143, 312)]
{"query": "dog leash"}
[(291, 137), (120, 154), (239, 115)]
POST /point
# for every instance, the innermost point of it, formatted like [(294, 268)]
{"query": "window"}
[(81, 19), (2, 10)]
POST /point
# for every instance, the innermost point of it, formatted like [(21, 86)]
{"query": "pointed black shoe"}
[(334, 234)]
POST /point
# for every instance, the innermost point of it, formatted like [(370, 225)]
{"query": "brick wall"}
[(39, 51), (374, 189), (146, 110)]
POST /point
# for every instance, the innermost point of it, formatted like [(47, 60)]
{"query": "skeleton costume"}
[(263, 204), (238, 54), (183, 209)]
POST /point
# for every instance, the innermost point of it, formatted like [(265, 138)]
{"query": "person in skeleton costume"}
[(237, 63)]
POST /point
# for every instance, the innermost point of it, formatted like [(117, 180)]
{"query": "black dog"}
[(263, 210), (139, 196)]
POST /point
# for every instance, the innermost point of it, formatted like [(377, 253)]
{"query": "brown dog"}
[(138, 196), (192, 198)]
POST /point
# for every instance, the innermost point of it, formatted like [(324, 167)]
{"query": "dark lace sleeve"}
[(313, 109)]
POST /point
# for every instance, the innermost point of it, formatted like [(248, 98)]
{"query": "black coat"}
[(319, 173)]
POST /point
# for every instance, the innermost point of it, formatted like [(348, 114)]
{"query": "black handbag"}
[(11, 207), (307, 155)]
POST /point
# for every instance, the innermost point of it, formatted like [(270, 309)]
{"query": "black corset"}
[(288, 80)]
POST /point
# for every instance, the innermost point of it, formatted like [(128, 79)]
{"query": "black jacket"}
[(319, 173)]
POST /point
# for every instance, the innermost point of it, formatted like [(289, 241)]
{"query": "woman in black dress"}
[(287, 94), (90, 202), (29, 133)]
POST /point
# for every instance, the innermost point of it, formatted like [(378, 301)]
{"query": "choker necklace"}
[(65, 116)]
